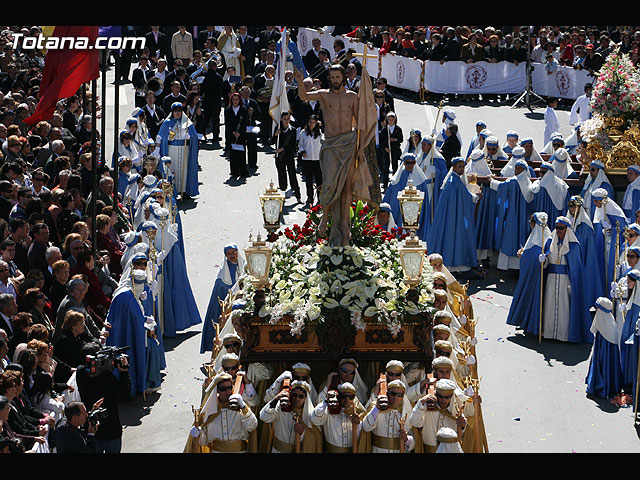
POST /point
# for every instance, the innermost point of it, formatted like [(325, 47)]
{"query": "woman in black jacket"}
[(236, 120)]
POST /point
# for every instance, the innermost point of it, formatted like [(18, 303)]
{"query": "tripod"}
[(528, 93)]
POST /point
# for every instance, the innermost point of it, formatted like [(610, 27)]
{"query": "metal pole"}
[(116, 136), (94, 163), (103, 123)]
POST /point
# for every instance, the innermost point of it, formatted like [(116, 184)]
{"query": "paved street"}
[(533, 394)]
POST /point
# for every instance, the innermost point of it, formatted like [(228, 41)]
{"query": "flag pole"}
[(94, 162), (116, 135), (103, 123)]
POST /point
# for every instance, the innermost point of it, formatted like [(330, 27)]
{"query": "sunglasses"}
[(561, 228), (302, 378), (4, 270), (444, 396), (441, 353), (232, 345), (231, 368), (630, 255), (409, 163), (137, 264), (348, 372), (342, 396), (396, 394), (394, 374), (225, 389)]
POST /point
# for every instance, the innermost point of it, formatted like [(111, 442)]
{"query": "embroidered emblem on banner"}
[(400, 72), (302, 38), (475, 75), (563, 82)]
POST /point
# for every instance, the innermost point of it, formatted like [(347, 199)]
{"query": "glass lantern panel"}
[(258, 262), (412, 264), (272, 211), (411, 212)]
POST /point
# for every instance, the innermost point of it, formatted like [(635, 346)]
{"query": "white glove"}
[(238, 398), (638, 327), (542, 257), (173, 229), (471, 360), (161, 256), (143, 296), (569, 289), (469, 392), (463, 319), (149, 323), (474, 341), (195, 432), (154, 287)]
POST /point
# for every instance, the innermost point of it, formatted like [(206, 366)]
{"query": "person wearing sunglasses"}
[(300, 371), (231, 364), (336, 415), (291, 418), (226, 424), (347, 372), (565, 314), (434, 411), (385, 418)]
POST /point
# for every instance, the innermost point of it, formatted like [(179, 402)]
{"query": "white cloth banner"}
[(401, 72), (473, 78), (565, 82)]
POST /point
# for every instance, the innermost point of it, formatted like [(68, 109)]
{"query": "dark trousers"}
[(265, 124), (252, 150), (238, 163), (286, 166), (312, 172), (212, 112), (383, 165)]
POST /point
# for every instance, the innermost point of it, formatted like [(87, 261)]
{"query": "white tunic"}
[(337, 428), (229, 426), (386, 424), (283, 423), (556, 313)]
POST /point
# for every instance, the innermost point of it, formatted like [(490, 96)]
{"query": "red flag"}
[(65, 70)]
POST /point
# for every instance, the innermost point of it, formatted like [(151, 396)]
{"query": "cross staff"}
[(364, 70)]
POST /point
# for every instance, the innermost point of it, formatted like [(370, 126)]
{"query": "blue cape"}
[(542, 203), (595, 286), (635, 206), (629, 353), (127, 321), (512, 222), (180, 308), (580, 318), (391, 197), (605, 377), (219, 292), (486, 220), (525, 303), (191, 182), (453, 233)]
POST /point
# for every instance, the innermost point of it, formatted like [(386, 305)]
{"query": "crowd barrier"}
[(457, 77)]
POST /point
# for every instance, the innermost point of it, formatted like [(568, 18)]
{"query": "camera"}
[(97, 415), (105, 360)]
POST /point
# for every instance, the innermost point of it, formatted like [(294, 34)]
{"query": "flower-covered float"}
[(334, 301)]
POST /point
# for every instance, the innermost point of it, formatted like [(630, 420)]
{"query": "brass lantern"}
[(258, 255), (272, 201), (412, 253), (411, 205)]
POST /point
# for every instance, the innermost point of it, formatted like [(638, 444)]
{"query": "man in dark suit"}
[(69, 435), (310, 59), (248, 46), (268, 35), (157, 43), (203, 35), (252, 138), (154, 114), (174, 96), (211, 89), (139, 79)]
